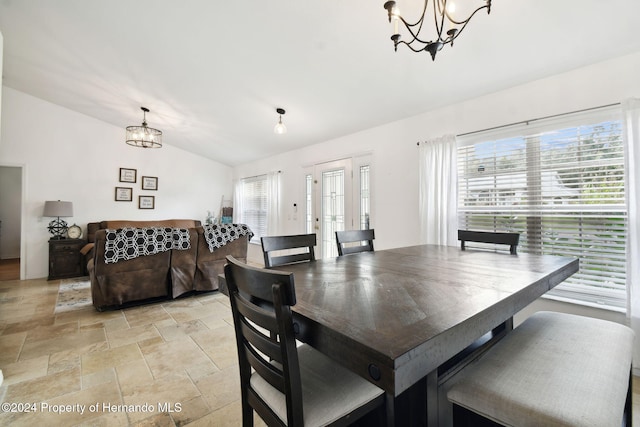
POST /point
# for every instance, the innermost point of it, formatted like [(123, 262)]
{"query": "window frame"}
[(254, 207), (577, 288)]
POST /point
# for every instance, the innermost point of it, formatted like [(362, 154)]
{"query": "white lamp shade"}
[(57, 208)]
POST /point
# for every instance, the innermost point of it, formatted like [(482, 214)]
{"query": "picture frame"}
[(149, 182), (146, 202), (124, 194), (128, 175)]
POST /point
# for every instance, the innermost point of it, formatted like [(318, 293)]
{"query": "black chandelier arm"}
[(414, 35), (447, 40), (419, 21), (465, 21), (411, 47)]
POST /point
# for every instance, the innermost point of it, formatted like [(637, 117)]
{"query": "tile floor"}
[(176, 356), (171, 364)]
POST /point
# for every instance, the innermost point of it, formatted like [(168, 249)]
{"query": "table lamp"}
[(57, 227)]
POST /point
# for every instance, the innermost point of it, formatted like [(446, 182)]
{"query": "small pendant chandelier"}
[(144, 136), (280, 128), (447, 24)]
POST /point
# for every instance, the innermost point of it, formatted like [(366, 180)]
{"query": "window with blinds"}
[(561, 188), (253, 210)]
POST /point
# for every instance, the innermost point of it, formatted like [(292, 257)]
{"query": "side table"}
[(65, 259)]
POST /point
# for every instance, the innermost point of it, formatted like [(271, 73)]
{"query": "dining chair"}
[(283, 383), (272, 245), (555, 369), (364, 238), (510, 239)]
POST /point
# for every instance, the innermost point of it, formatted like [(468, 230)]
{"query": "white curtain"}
[(632, 147), (438, 191), (273, 203), (237, 201)]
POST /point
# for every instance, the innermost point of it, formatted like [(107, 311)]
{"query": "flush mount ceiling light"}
[(280, 127), (144, 136), (448, 24)]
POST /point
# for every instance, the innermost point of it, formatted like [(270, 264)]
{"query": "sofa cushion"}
[(172, 223)]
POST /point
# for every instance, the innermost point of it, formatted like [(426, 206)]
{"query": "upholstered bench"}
[(554, 369)]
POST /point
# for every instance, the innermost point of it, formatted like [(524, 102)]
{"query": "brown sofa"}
[(163, 275)]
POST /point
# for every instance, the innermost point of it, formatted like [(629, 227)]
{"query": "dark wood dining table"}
[(406, 318)]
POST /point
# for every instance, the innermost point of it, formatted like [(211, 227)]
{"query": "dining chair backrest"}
[(363, 238), (287, 384), (272, 245), (510, 239), (273, 340)]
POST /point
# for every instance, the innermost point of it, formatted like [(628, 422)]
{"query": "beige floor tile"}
[(25, 323), (99, 378), (157, 420), (220, 345), (110, 419), (88, 316), (78, 341), (81, 406), (133, 374), (52, 331), (220, 388), (228, 416), (146, 315), (185, 314), (115, 324), (63, 361), (171, 391), (178, 331), (44, 388), (132, 335), (190, 411), (99, 360), (166, 357), (11, 344), (25, 370)]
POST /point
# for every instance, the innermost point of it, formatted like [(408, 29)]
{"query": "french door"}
[(333, 209), (337, 200)]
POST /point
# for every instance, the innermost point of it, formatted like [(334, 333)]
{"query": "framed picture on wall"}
[(149, 182), (124, 194), (128, 175), (146, 202)]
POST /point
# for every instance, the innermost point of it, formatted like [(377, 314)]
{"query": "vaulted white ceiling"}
[(213, 72)]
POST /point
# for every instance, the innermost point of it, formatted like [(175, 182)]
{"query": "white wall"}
[(394, 151), (73, 157)]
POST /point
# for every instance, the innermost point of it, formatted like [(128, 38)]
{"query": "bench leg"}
[(627, 419)]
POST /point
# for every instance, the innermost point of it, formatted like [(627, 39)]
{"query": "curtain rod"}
[(538, 118), (256, 176)]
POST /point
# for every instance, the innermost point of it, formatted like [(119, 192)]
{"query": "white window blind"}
[(561, 186), (253, 194)]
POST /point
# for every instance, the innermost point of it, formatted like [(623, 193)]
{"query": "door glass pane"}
[(364, 198), (308, 204), (333, 211)]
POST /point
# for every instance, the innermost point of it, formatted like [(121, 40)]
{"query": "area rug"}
[(73, 294)]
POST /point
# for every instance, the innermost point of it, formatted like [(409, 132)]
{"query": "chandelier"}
[(447, 24), (144, 136)]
